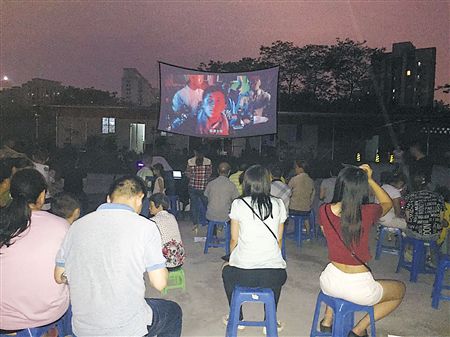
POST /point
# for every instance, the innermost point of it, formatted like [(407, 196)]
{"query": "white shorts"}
[(358, 288)]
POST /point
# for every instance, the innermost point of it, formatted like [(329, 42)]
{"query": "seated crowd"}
[(103, 255)]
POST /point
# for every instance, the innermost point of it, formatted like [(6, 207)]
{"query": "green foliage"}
[(315, 76), (85, 96)]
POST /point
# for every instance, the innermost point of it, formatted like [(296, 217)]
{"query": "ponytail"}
[(15, 218)]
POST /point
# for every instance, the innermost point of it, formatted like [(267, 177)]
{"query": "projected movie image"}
[(205, 104)]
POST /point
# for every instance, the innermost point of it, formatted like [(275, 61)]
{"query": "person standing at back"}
[(421, 163), (104, 257), (198, 171)]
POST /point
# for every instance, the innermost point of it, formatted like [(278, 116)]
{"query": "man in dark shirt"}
[(424, 211), (421, 164)]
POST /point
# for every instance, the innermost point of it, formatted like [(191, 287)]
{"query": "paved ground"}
[(204, 302)]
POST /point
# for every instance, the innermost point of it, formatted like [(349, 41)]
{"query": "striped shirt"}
[(280, 190)]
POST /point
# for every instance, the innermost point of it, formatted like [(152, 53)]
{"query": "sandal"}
[(352, 334), (324, 328)]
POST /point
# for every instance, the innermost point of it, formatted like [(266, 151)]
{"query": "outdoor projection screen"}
[(206, 104)]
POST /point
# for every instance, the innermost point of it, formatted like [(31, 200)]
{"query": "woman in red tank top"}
[(346, 223)]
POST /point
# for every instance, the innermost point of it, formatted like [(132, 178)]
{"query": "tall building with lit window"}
[(405, 77), (136, 89)]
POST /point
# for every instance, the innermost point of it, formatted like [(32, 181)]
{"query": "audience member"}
[(103, 258), (234, 178), (278, 188), (198, 171), (327, 186), (74, 175), (257, 222), (346, 224), (421, 163), (424, 211), (146, 174), (444, 239), (9, 166), (29, 241), (161, 160), (67, 206), (158, 186), (172, 245), (220, 193), (40, 160), (393, 184), (8, 150), (303, 191)]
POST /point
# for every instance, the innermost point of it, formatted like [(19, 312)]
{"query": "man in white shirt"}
[(104, 257)]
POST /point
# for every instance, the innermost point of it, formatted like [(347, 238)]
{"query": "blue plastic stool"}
[(216, 242), (417, 266), (439, 285), (173, 201), (343, 316), (300, 232), (384, 231), (243, 294), (63, 325)]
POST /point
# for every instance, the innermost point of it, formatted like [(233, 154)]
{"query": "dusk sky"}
[(87, 44)]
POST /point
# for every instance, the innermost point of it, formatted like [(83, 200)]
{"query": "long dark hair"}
[(352, 190), (26, 186), (256, 184)]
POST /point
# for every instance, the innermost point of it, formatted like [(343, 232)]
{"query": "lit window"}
[(393, 90), (419, 63), (108, 125), (408, 73), (418, 77)]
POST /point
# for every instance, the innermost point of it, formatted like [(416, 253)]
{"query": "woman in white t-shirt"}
[(392, 185), (257, 222)]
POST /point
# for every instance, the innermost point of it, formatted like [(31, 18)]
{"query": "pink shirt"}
[(29, 295)]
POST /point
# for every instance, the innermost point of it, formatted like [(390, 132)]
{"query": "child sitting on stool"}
[(172, 245)]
